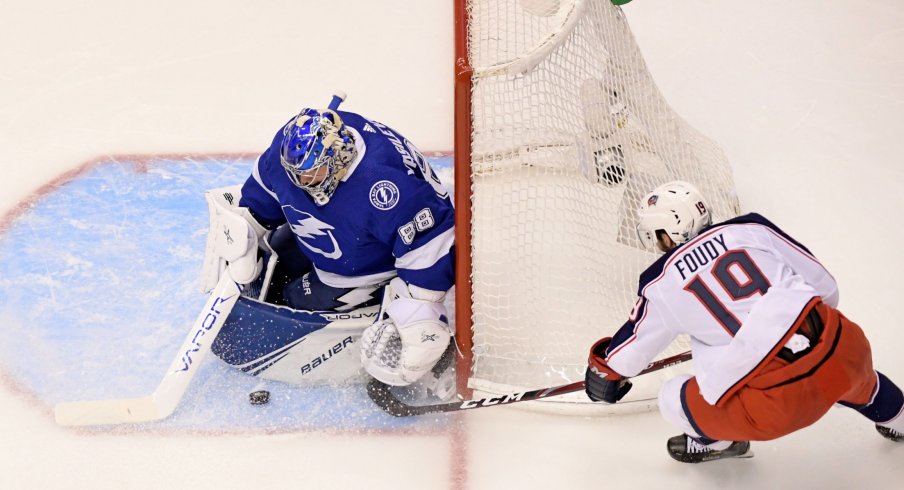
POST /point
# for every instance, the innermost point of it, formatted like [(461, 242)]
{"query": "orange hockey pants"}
[(784, 397)]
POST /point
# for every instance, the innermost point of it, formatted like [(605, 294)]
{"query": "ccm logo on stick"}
[(502, 400)]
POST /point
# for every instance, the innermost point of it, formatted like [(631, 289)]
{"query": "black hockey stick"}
[(380, 393)]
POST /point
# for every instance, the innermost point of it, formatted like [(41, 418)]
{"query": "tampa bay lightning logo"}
[(384, 195), (314, 234)]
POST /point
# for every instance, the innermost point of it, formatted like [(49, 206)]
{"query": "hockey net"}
[(560, 130)]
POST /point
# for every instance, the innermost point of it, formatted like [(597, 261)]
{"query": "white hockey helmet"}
[(676, 208)]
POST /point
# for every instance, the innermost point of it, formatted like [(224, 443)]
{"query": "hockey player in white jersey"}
[(344, 209), (772, 354)]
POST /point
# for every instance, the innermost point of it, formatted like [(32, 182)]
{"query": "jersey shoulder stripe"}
[(754, 218), (656, 269)]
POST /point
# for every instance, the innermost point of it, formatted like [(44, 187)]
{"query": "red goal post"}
[(559, 130)]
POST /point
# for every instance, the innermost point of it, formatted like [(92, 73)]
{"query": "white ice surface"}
[(805, 96)]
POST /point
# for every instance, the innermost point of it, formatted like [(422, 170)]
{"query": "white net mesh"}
[(569, 132)]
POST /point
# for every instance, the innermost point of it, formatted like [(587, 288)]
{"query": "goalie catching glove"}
[(409, 337), (232, 238), (601, 383)]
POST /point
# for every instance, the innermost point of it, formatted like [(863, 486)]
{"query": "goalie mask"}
[(316, 151), (676, 208)]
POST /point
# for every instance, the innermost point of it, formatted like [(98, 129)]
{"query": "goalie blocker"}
[(233, 238)]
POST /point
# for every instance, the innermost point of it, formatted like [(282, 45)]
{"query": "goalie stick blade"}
[(163, 401), (105, 412), (381, 395)]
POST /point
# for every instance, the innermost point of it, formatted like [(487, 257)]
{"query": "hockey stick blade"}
[(98, 412), (162, 403), (380, 393)]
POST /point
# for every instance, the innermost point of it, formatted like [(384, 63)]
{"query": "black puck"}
[(259, 397)]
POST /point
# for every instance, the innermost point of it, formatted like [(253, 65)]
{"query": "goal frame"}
[(581, 121), (462, 165)]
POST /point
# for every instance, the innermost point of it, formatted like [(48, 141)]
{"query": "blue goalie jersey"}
[(389, 215)]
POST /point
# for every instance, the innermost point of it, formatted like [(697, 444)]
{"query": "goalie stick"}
[(380, 393), (163, 401)]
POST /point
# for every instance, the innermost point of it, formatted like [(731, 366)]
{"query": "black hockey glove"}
[(602, 384)]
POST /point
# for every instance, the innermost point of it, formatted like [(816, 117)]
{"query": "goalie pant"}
[(787, 395)]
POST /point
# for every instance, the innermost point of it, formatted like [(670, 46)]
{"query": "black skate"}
[(890, 433), (686, 449)]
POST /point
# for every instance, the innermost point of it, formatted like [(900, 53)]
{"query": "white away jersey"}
[(736, 290), (389, 215)]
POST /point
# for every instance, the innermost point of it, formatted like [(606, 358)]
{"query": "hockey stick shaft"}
[(171, 389), (381, 395), (337, 99)]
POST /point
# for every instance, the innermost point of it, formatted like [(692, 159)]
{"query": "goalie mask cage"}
[(559, 131)]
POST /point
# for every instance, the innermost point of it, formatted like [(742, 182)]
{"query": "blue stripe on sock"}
[(887, 403), (690, 418)]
